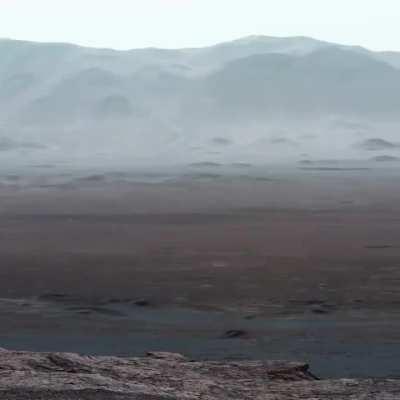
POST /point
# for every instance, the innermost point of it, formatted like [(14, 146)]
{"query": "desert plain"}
[(296, 262)]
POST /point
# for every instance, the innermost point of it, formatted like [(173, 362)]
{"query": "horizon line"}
[(238, 39)]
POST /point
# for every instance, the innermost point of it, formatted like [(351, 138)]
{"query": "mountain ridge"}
[(245, 91), (240, 40)]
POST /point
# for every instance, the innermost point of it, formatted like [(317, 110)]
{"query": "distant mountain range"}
[(261, 97)]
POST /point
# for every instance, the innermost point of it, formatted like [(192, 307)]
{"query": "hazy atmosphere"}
[(127, 24), (254, 98), (191, 190)]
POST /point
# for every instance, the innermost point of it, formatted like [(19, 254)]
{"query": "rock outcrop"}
[(165, 376)]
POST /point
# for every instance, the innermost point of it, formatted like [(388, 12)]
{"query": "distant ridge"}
[(245, 40), (248, 92)]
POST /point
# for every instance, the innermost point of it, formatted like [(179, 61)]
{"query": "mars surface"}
[(216, 262)]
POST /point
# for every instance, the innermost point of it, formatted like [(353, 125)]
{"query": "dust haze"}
[(258, 100), (237, 201)]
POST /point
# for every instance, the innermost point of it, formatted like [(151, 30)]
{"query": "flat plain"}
[(213, 262)]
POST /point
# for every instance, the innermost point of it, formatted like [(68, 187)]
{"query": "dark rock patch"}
[(235, 334), (56, 297), (376, 144), (385, 158), (242, 165), (221, 141), (206, 164), (142, 303), (96, 310), (379, 247)]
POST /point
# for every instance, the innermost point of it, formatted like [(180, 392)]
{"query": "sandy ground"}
[(300, 264)]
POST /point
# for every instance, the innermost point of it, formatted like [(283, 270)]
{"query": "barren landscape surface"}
[(268, 263)]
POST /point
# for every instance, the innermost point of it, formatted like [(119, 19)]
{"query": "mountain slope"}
[(328, 80), (249, 91)]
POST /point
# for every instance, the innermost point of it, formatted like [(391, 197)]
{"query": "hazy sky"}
[(184, 23)]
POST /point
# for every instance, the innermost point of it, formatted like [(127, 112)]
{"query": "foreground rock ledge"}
[(158, 376)]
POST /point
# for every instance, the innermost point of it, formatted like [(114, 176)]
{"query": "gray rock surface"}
[(48, 376)]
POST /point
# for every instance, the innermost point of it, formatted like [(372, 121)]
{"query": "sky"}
[(126, 24)]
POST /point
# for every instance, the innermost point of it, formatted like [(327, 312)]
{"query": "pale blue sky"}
[(127, 24)]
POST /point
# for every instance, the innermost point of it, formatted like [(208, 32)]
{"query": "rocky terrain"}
[(43, 376)]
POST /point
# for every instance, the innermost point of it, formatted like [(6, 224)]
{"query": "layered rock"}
[(159, 376)]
